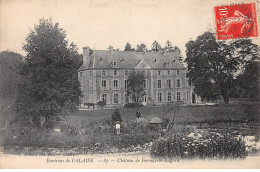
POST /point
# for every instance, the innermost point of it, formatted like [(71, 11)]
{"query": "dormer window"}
[(114, 63), (154, 60)]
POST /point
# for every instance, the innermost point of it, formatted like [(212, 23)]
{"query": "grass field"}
[(183, 114)]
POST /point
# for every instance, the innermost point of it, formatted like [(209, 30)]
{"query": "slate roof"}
[(102, 59)]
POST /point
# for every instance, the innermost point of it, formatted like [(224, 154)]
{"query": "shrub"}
[(214, 147), (116, 116), (101, 104), (133, 105)]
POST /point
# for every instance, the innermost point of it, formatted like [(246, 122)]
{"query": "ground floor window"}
[(104, 98), (115, 98), (159, 97), (169, 96), (178, 96)]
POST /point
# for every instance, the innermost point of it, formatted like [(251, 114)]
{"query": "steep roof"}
[(104, 59)]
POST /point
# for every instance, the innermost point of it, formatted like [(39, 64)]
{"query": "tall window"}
[(104, 98), (115, 98), (178, 83), (159, 72), (143, 72), (126, 72), (115, 83), (169, 98), (126, 84), (144, 84), (159, 97), (115, 73), (168, 83), (80, 74), (159, 83), (90, 73), (104, 84), (168, 72), (178, 72), (103, 73), (178, 96)]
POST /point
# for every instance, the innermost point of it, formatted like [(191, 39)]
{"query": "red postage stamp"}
[(236, 21)]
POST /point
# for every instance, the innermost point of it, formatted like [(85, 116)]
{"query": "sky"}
[(101, 23)]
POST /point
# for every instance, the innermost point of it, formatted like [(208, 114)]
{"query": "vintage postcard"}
[(130, 84)]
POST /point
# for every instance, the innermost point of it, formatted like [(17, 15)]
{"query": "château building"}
[(103, 77)]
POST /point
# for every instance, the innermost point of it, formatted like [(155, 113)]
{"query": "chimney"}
[(85, 55)]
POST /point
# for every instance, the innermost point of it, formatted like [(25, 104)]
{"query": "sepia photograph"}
[(129, 84)]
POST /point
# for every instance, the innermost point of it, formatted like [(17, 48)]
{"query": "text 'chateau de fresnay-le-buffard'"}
[(104, 73)]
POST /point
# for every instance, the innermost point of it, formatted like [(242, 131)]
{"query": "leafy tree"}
[(116, 116), (128, 47), (210, 66), (141, 48), (156, 46), (179, 53), (10, 64), (135, 88), (168, 46), (49, 87)]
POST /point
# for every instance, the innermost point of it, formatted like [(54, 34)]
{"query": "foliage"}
[(156, 46), (213, 147), (101, 104), (128, 47), (49, 86), (116, 116), (133, 105), (141, 48), (210, 66), (168, 46), (135, 87), (10, 64)]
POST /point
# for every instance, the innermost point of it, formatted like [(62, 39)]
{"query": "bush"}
[(101, 104), (214, 147), (133, 105)]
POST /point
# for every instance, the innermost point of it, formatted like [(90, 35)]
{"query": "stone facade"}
[(104, 73)]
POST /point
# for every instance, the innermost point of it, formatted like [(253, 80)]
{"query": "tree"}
[(210, 66), (156, 46), (135, 88), (10, 64), (168, 46), (141, 48), (49, 86), (101, 104), (128, 47), (179, 53), (116, 116)]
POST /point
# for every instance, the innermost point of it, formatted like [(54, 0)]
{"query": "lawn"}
[(182, 114)]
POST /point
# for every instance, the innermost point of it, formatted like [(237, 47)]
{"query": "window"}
[(178, 72), (168, 83), (126, 84), (103, 73), (143, 72), (115, 98), (169, 97), (104, 98), (178, 96), (115, 84), (159, 97), (168, 72), (159, 84), (144, 84), (104, 84), (178, 83), (159, 72), (90, 73), (80, 74), (126, 72), (115, 73)]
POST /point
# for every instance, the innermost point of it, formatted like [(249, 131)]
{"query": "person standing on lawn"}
[(118, 126), (138, 114)]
